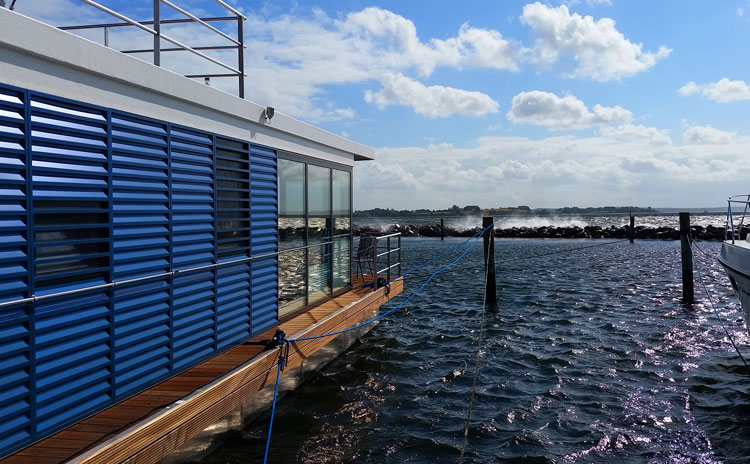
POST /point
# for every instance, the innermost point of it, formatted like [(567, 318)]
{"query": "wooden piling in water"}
[(489, 261), (442, 229), (688, 295), (631, 232)]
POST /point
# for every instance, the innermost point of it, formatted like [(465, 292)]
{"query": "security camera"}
[(269, 113)]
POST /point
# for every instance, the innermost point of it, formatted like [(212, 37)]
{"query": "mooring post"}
[(687, 259), (631, 232), (442, 229), (489, 260)]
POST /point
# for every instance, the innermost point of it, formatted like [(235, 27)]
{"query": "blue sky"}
[(587, 102)]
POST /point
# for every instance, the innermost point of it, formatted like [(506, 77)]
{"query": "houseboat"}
[(155, 232)]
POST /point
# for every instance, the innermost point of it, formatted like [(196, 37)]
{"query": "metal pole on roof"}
[(200, 21), (157, 36), (241, 56), (163, 36), (228, 7)]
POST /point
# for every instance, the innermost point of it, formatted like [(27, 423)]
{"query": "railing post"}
[(687, 259), (399, 255), (489, 260), (241, 56), (375, 266), (106, 36), (729, 229), (157, 36), (388, 258)]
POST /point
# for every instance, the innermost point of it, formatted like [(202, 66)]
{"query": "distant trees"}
[(468, 210)]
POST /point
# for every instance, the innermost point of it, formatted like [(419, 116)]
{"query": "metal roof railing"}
[(155, 30)]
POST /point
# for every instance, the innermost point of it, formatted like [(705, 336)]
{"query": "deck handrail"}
[(733, 231), (389, 250), (238, 42), (115, 283)]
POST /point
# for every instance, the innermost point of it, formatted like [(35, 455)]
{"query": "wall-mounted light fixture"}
[(268, 112)]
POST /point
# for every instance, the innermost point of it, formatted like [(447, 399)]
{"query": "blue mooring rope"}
[(282, 363), (284, 342)]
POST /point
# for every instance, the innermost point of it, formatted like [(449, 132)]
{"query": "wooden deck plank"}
[(164, 430)]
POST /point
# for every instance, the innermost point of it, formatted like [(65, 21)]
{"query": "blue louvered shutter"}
[(193, 245), (233, 242), (15, 382), (264, 238), (70, 190), (140, 242)]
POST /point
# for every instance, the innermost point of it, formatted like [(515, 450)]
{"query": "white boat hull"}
[(735, 257)]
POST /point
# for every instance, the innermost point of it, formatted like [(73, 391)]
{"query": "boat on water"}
[(735, 251)]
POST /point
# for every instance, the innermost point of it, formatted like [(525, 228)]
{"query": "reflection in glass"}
[(291, 281), (318, 191), (319, 262), (342, 226), (318, 230), (341, 263), (291, 204), (291, 188), (341, 193), (292, 270), (314, 208)]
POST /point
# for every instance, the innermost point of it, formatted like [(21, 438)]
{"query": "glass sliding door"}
[(319, 231), (292, 232), (314, 232), (342, 228)]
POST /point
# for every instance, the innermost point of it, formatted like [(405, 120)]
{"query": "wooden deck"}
[(154, 423)]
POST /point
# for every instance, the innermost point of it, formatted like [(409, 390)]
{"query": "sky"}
[(496, 103)]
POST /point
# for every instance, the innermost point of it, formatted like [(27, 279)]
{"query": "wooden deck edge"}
[(161, 433)]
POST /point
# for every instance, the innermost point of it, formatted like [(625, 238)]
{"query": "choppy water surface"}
[(590, 357)]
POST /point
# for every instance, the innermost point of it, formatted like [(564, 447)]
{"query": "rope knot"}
[(283, 349)]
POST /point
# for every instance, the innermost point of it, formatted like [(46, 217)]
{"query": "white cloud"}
[(601, 52), (707, 135), (291, 59), (636, 133), (434, 101), (740, 12), (611, 168), (722, 91), (568, 112)]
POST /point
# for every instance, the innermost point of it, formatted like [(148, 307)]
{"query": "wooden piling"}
[(631, 232), (489, 261), (442, 229), (688, 295)]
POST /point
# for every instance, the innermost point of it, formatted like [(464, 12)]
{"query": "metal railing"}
[(47, 296), (733, 230), (384, 243), (237, 43)]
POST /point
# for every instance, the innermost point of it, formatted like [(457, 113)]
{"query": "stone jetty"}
[(613, 232)]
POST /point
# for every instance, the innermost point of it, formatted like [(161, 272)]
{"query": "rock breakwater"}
[(641, 232)]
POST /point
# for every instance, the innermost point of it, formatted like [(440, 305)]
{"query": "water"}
[(590, 357), (507, 222)]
